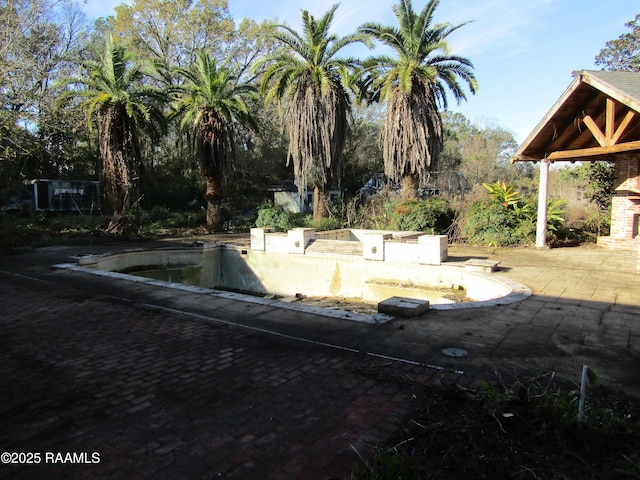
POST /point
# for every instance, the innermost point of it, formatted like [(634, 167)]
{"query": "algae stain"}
[(335, 284)]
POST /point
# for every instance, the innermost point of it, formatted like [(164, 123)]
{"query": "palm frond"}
[(415, 82), (308, 78)]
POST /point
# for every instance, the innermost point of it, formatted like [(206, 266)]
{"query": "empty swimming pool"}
[(326, 270)]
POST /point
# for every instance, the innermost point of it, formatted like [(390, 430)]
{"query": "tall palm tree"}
[(113, 94), (310, 79), (414, 82), (211, 104)]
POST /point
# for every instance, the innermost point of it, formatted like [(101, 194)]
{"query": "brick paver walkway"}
[(159, 396), (150, 381)]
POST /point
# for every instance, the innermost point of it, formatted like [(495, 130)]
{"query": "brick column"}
[(625, 208)]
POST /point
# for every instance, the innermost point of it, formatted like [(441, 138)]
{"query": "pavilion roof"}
[(595, 118)]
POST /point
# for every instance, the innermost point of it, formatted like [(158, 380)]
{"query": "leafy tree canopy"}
[(624, 52), (172, 32)]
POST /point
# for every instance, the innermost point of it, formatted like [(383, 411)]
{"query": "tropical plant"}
[(503, 193), (310, 79), (211, 104), (414, 82), (507, 218), (113, 93), (555, 209)]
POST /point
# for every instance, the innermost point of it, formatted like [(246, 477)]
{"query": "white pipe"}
[(583, 392)]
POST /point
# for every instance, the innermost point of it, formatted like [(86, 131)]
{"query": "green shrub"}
[(277, 218), (506, 218), (492, 223), (434, 214), (281, 221), (525, 232), (598, 222)]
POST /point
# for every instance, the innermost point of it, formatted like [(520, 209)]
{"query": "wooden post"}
[(543, 199)]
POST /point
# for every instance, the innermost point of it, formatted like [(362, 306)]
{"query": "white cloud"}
[(501, 26)]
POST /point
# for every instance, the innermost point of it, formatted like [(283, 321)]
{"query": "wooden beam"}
[(610, 120), (622, 127), (595, 130), (611, 134), (589, 152), (525, 158)]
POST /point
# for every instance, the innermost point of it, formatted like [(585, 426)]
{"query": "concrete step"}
[(405, 307)]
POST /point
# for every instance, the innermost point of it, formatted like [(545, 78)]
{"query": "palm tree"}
[(113, 95), (211, 103), (310, 79), (414, 82)]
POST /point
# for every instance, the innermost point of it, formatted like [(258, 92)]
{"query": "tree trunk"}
[(410, 185), (213, 195), (320, 203), (122, 171)]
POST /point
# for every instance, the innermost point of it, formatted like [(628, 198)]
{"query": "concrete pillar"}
[(373, 244), (257, 238), (432, 249), (299, 238), (543, 200)]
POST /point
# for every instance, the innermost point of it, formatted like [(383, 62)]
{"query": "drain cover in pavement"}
[(455, 352)]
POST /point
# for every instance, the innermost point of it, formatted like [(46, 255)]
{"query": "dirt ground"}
[(521, 429)]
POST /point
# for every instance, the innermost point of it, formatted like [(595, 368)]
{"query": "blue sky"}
[(524, 51)]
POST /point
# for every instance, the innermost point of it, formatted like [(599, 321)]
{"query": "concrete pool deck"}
[(169, 384)]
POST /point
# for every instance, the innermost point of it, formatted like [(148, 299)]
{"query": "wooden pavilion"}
[(596, 118)]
